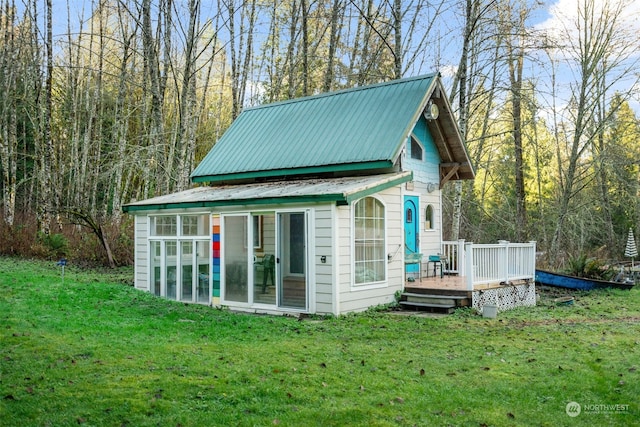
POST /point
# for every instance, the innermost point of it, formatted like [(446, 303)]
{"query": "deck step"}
[(437, 296), (434, 308), (452, 300), (433, 302), (436, 291)]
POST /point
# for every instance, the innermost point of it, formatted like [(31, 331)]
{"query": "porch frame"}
[(485, 264)]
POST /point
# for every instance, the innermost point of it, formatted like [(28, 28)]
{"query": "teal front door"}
[(411, 230)]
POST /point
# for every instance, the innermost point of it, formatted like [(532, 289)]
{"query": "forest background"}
[(109, 101)]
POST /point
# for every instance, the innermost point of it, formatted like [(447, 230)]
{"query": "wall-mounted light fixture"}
[(431, 111)]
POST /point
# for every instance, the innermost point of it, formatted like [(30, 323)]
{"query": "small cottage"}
[(311, 205)]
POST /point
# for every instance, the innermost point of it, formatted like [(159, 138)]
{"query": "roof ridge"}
[(342, 91)]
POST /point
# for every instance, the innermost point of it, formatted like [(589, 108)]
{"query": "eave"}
[(277, 173), (341, 191)]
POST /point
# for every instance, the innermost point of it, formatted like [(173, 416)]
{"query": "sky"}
[(556, 18), (560, 24)]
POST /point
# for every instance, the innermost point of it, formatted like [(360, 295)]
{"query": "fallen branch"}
[(85, 219)]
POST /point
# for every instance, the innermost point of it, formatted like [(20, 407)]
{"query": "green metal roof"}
[(342, 191), (356, 129)]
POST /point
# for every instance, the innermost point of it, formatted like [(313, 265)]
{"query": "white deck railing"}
[(503, 262)]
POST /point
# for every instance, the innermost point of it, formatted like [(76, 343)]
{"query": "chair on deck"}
[(414, 258), (268, 264), (438, 261)]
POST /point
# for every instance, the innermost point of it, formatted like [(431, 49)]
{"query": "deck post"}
[(468, 267), (461, 258), (503, 261), (532, 266)]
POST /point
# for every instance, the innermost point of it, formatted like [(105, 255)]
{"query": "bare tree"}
[(153, 85), (122, 109), (334, 38), (515, 42), (600, 47), (46, 192), (9, 67), (241, 47), (472, 16)]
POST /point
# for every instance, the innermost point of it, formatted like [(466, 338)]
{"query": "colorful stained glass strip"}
[(215, 246)]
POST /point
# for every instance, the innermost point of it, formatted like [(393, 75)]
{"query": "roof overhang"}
[(455, 163), (324, 169), (341, 191)]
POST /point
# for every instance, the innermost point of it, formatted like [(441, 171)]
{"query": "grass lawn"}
[(93, 351)]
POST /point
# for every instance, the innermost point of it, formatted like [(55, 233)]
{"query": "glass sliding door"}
[(171, 264), (292, 276), (236, 258), (156, 268), (186, 271), (264, 259), (264, 255), (202, 279)]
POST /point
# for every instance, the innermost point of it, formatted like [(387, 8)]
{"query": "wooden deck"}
[(453, 283), (446, 283), (498, 273), (441, 295), (435, 294)]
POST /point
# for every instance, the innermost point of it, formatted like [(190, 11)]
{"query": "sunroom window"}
[(166, 225), (369, 241), (180, 249), (195, 225)]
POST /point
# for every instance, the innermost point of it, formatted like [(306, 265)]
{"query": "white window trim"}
[(223, 270), (251, 305), (178, 234), (178, 238), (368, 285), (433, 218)]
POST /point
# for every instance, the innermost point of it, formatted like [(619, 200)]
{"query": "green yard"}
[(93, 351)]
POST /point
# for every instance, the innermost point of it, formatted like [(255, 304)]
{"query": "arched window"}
[(369, 241), (428, 218)]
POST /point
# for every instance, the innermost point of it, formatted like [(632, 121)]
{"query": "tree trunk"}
[(461, 78), (291, 85), (9, 66), (602, 179), (304, 8), (397, 41), (46, 193), (515, 58), (84, 218), (334, 37), (188, 114), (120, 127), (153, 114)]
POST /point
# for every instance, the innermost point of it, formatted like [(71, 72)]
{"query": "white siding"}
[(141, 252), (324, 271), (331, 281), (354, 298)]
